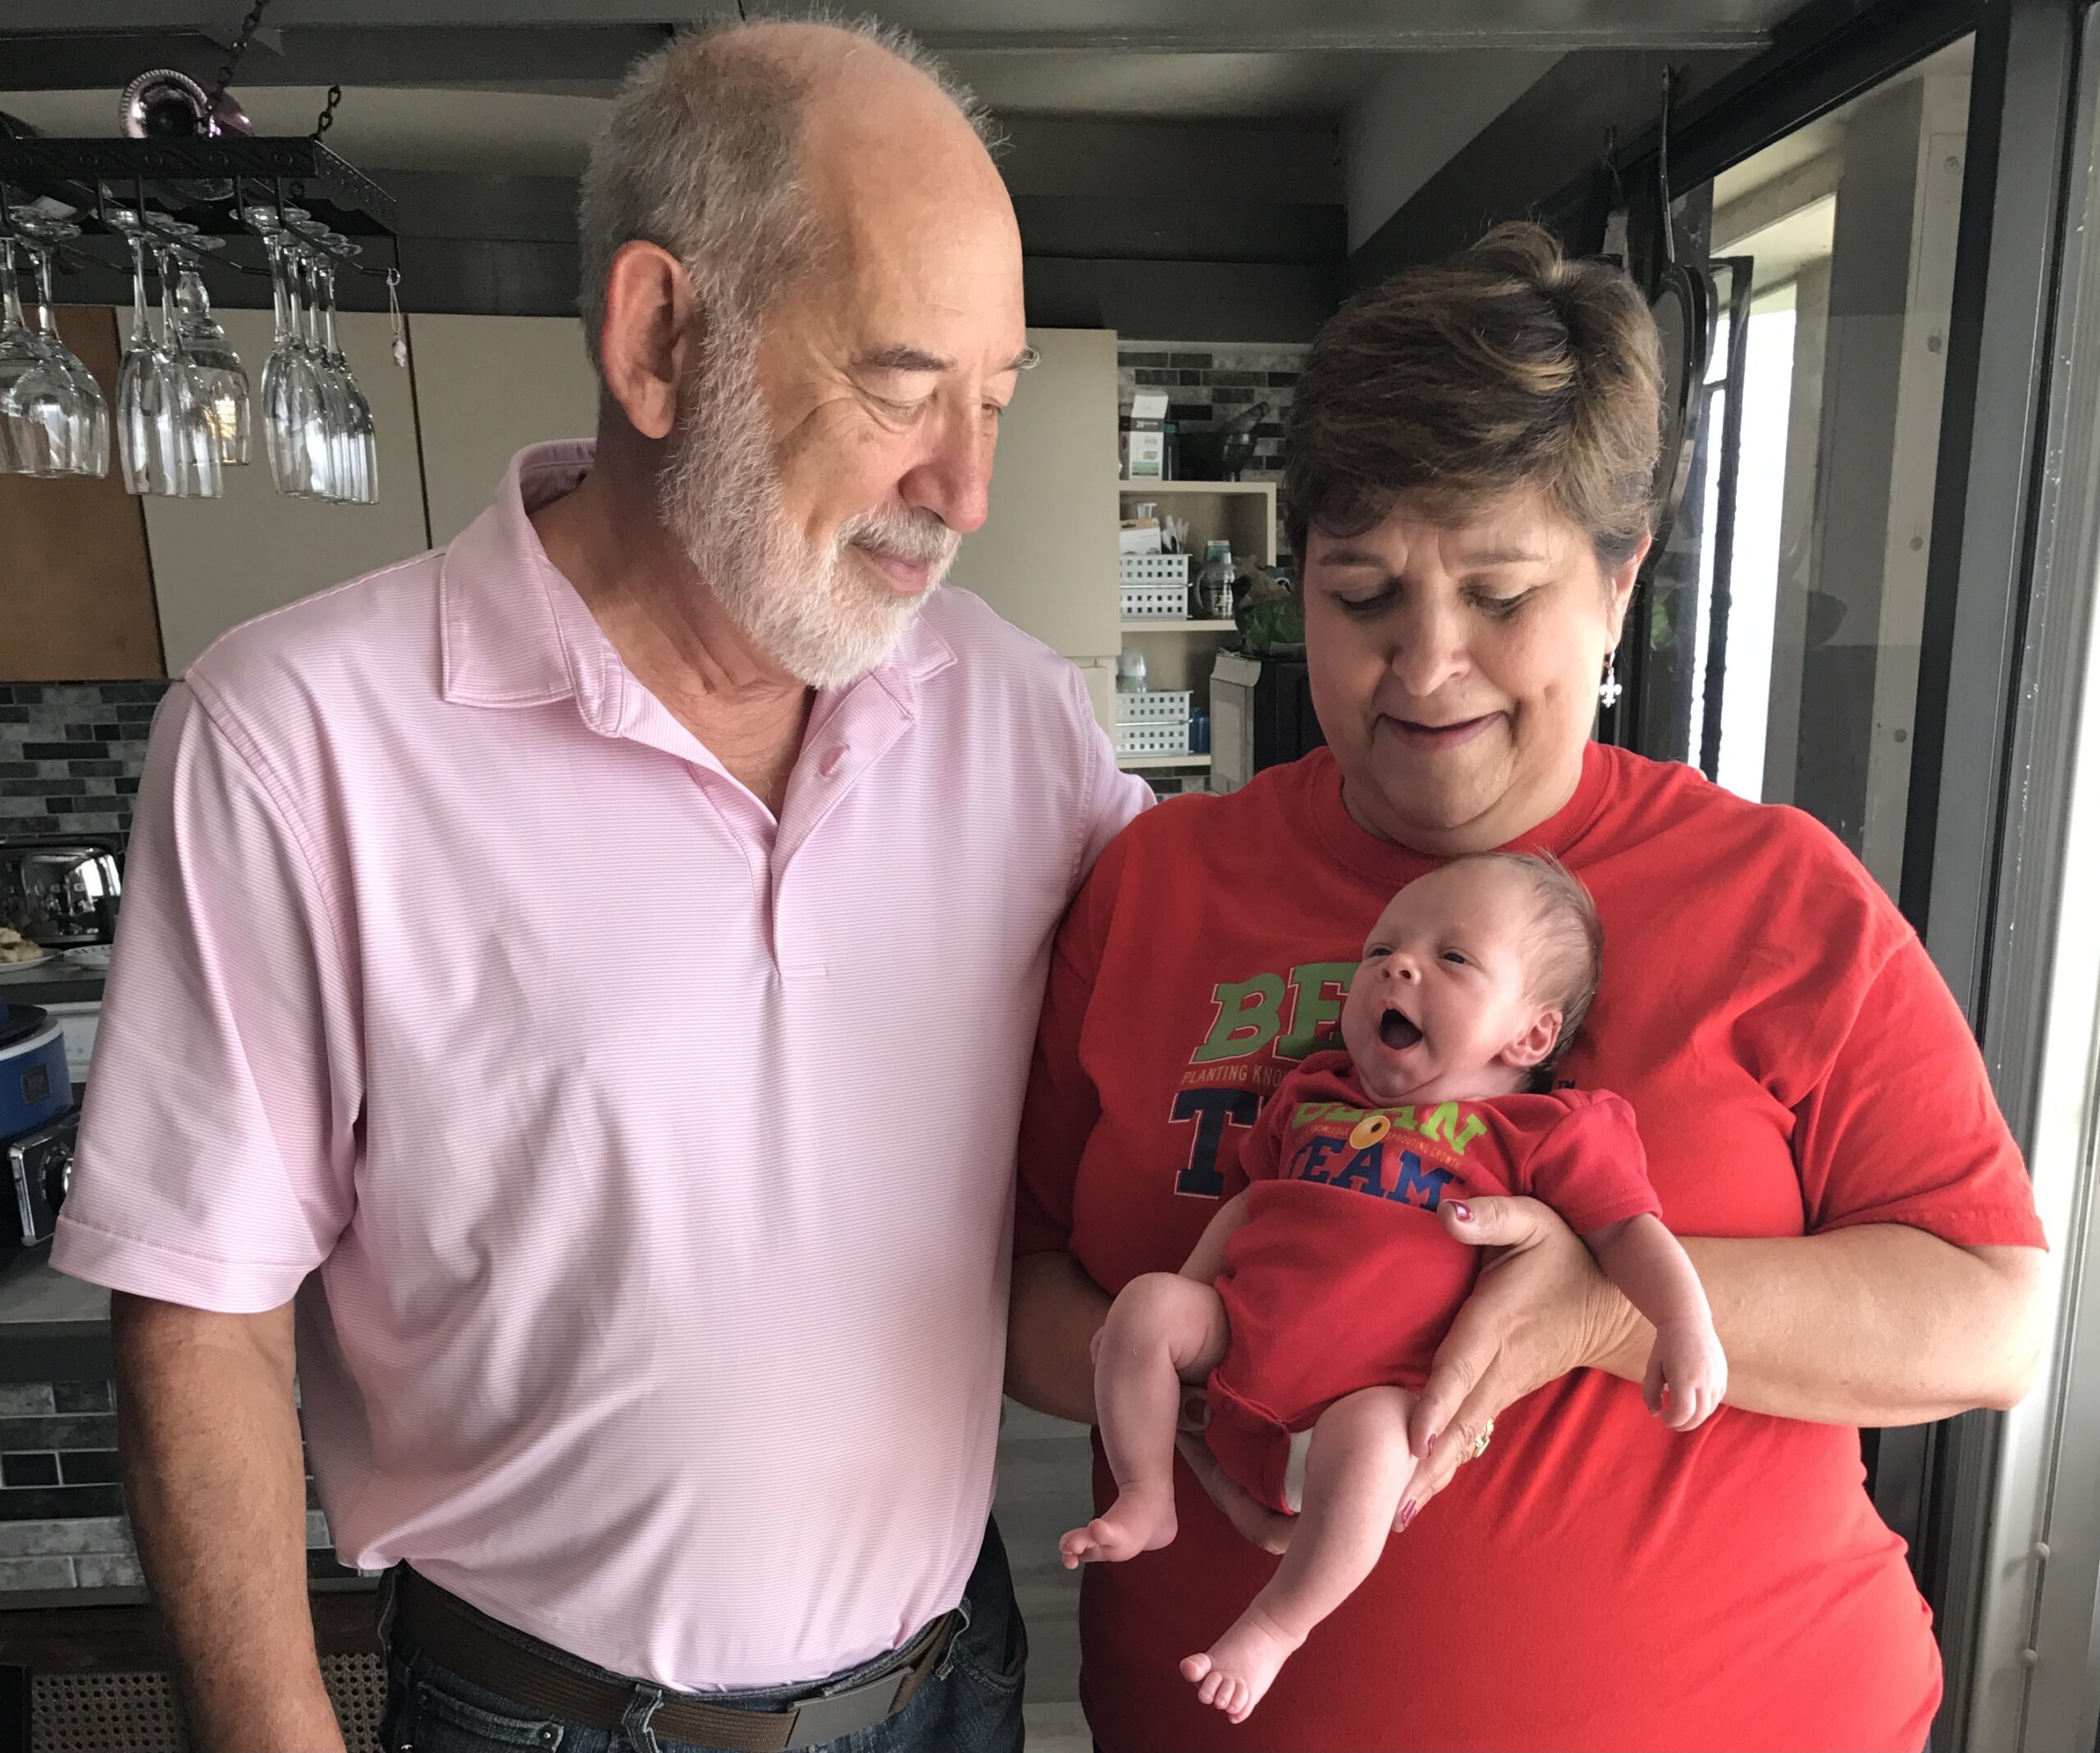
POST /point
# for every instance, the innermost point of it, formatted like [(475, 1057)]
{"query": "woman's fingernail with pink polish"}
[(1463, 1212), (1407, 1511), (1429, 1448)]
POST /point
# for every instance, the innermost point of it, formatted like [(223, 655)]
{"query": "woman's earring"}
[(1608, 690)]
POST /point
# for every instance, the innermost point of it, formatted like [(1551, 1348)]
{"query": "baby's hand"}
[(1687, 1374)]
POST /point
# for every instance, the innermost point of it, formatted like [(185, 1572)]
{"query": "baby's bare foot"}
[(1235, 1672), (1138, 1521)]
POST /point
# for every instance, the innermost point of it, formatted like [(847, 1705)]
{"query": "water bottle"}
[(1214, 583)]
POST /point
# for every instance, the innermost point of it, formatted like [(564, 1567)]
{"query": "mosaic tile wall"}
[(70, 754), (62, 1524), (1209, 382)]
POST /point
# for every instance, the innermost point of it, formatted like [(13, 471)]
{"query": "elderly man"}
[(604, 954)]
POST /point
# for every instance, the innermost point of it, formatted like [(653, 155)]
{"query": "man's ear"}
[(1538, 1040), (643, 338)]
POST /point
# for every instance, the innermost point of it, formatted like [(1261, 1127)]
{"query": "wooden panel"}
[(76, 593), (1046, 557), (487, 387), (217, 563)]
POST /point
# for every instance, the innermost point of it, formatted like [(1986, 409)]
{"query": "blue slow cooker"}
[(35, 1085)]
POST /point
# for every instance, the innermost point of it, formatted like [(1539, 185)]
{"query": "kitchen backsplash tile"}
[(1209, 382), (70, 755), (61, 1507)]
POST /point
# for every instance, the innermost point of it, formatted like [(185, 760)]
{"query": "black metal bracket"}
[(192, 178)]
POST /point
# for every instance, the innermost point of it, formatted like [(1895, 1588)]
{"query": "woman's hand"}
[(1539, 1309), (1267, 1529)]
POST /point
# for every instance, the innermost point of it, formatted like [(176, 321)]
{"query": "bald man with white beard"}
[(648, 1309)]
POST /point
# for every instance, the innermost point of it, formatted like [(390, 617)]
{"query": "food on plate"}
[(14, 947)]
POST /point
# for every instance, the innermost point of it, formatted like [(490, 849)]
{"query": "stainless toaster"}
[(60, 891)]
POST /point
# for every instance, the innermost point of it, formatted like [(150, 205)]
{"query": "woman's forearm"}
[(1877, 1324), (1055, 1310)]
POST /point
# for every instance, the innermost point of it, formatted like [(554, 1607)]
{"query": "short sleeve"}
[(1591, 1168), (1903, 1127), (216, 1159), (1062, 1104), (1261, 1150), (1115, 798)]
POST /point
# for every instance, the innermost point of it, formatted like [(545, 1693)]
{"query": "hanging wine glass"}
[(85, 449), (36, 396), (356, 448), (290, 389), (221, 378), (158, 420), (199, 435)]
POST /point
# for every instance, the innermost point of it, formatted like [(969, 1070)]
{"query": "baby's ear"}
[(1536, 1043)]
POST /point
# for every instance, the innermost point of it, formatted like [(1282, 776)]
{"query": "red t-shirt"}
[(1596, 1580), (1342, 1276)]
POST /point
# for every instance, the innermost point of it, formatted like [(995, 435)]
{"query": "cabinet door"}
[(1046, 557), (487, 387), (74, 580), (219, 562)]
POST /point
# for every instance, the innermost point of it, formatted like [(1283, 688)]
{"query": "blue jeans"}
[(971, 1703)]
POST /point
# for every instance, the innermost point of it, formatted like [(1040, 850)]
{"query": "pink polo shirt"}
[(653, 1159)]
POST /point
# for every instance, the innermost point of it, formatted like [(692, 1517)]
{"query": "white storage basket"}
[(1153, 739), (1155, 587), (1154, 569), (1155, 706), (1155, 602)]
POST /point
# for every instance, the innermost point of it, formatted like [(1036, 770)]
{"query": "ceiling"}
[(1281, 94)]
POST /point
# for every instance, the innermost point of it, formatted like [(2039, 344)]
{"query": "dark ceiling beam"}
[(84, 60), (1521, 157)]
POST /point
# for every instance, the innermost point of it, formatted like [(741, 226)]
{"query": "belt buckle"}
[(830, 1714)]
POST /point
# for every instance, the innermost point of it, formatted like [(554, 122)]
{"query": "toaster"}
[(60, 892)]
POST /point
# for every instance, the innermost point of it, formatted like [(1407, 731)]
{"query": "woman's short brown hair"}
[(1504, 367)]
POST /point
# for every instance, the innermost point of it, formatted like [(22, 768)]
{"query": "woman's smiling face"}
[(1454, 669)]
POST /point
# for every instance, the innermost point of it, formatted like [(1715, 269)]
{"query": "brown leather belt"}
[(458, 1639)]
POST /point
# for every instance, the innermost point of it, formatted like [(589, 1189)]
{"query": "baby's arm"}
[(1207, 1259), (1641, 1256)]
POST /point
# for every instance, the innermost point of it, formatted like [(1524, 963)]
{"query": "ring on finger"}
[(1481, 1442)]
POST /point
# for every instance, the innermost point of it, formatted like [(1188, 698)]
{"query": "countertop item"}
[(59, 891)]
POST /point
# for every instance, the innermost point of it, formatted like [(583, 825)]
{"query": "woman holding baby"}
[(1471, 449)]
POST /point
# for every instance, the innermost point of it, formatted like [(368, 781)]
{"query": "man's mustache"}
[(919, 537)]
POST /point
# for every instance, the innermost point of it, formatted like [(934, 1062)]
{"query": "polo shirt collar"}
[(515, 633)]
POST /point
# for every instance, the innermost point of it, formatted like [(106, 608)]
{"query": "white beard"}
[(808, 606)]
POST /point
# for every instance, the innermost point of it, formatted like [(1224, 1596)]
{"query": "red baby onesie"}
[(1343, 1278)]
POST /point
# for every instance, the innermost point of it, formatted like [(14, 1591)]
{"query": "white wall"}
[(486, 388)]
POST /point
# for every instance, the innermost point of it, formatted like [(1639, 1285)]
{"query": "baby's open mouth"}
[(1397, 1030)]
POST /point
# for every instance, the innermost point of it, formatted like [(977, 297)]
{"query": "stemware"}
[(220, 375), (355, 440), (83, 449), (194, 414), (163, 440), (36, 396), (294, 435)]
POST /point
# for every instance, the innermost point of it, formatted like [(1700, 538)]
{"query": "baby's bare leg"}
[(1359, 1465), (1163, 1327)]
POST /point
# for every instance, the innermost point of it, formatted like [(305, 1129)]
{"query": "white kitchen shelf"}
[(1180, 626), (1140, 762), (1143, 489)]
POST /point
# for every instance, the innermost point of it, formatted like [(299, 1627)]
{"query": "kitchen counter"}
[(52, 1328), (58, 981)]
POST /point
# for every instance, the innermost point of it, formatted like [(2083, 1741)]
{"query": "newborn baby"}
[(1316, 1298)]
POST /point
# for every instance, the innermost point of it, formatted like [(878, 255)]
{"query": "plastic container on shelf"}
[(1212, 598), (1130, 672)]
